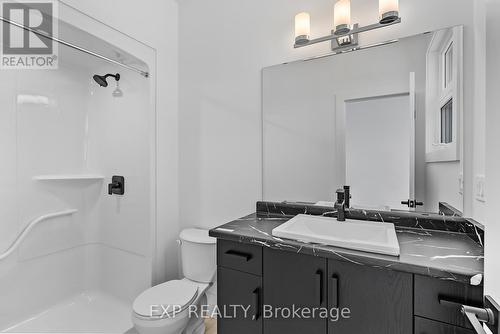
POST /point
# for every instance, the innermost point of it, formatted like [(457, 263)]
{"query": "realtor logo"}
[(26, 31)]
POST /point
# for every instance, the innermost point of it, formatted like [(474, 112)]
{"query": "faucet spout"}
[(343, 202), (340, 205)]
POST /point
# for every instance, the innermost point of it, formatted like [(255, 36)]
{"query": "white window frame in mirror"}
[(439, 92)]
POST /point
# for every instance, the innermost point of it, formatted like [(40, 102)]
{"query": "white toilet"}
[(164, 309)]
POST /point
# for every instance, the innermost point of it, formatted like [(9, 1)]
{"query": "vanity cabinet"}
[(380, 300), (239, 296), (294, 280)]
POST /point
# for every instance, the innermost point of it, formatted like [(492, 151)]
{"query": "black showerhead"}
[(101, 79)]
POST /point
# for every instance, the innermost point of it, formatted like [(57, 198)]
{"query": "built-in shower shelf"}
[(69, 177)]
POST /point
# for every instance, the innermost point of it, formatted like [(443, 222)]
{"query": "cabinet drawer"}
[(238, 256), (430, 291), (425, 326)]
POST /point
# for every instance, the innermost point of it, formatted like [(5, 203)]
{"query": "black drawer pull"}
[(239, 255), (334, 288), (450, 304), (454, 303)]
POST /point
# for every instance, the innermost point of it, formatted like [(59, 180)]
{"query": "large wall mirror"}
[(385, 120)]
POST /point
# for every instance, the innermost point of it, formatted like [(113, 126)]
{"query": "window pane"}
[(447, 122)]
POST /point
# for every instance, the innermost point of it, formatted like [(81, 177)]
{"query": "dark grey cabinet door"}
[(239, 290), (425, 326), (293, 280), (379, 300)]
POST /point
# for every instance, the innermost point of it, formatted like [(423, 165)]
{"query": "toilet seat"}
[(167, 298)]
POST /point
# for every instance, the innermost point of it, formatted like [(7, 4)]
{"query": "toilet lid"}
[(172, 296), (198, 236)]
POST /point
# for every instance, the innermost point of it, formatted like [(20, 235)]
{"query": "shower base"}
[(87, 312)]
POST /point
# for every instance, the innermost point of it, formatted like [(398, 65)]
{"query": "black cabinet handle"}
[(238, 255), (334, 289), (256, 304), (453, 302), (319, 286)]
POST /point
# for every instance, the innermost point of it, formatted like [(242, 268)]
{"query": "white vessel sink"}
[(373, 237)]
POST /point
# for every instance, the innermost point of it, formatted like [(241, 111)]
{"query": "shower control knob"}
[(117, 186)]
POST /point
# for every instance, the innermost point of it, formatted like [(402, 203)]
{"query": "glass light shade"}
[(388, 10), (302, 28), (342, 16)]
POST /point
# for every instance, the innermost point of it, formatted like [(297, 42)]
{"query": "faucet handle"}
[(340, 195), (347, 196)]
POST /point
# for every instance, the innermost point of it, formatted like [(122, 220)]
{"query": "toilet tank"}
[(198, 255)]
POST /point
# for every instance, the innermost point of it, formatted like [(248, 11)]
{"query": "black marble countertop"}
[(445, 255)]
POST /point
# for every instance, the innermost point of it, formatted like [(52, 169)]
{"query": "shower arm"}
[(115, 76), (74, 46)]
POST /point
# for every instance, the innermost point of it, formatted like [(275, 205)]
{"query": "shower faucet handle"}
[(117, 185)]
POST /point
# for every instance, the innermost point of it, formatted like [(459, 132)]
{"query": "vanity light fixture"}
[(345, 35)]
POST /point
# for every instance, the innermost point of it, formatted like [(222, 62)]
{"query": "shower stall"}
[(75, 251)]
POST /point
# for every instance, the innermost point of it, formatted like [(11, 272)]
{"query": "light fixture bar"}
[(346, 50), (354, 31)]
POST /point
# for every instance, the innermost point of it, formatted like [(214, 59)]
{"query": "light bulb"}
[(342, 17), (388, 11), (302, 28)]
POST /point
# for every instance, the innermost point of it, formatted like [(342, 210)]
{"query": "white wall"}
[(299, 132), (48, 265), (155, 23), (120, 229), (492, 285), (224, 44), (477, 158)]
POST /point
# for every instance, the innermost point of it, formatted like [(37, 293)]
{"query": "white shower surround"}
[(108, 246)]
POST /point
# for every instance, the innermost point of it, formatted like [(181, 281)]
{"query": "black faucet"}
[(343, 202)]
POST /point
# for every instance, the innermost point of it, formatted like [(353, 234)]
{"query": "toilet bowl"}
[(170, 307)]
